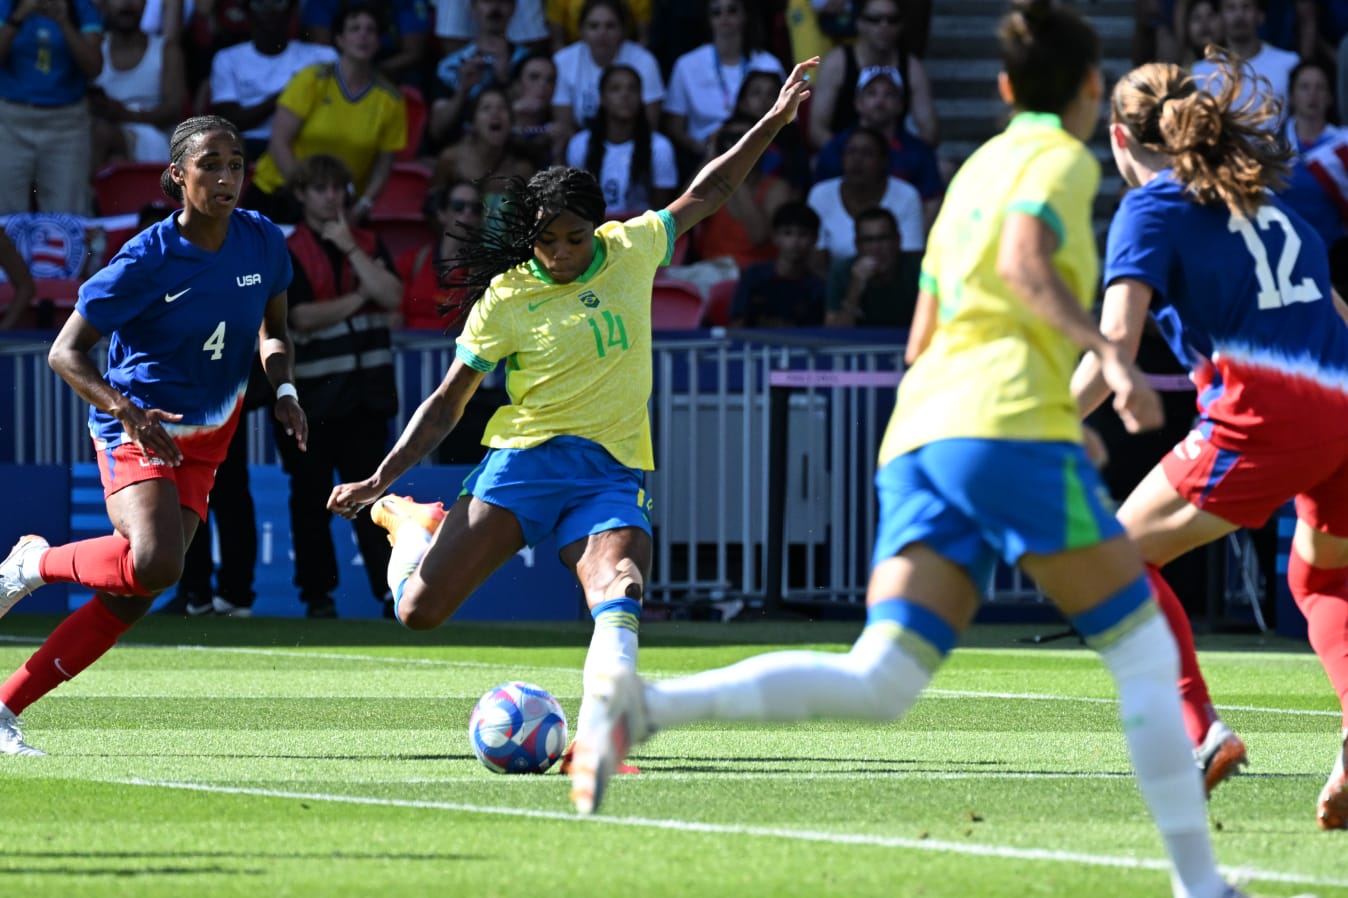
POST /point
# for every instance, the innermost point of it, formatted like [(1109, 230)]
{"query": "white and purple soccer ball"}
[(517, 728)]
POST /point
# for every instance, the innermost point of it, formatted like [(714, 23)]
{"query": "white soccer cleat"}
[(13, 585), (620, 724), (11, 738), (225, 608)]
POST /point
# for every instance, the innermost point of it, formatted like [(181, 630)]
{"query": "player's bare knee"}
[(156, 571)]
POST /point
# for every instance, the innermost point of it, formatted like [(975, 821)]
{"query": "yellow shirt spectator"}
[(565, 15), (355, 129)]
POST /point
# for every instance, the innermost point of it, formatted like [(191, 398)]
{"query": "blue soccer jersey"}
[(183, 321), (1246, 304)]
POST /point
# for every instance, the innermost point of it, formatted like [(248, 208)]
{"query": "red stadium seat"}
[(401, 234), (675, 305), (123, 187), (416, 122), (404, 193), (719, 298)]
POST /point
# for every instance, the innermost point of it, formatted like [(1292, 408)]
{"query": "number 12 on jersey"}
[(617, 333), (1275, 288)]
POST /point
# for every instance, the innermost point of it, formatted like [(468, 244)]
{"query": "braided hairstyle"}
[(181, 141), (525, 213)]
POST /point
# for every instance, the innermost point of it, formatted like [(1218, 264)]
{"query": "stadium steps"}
[(962, 65)]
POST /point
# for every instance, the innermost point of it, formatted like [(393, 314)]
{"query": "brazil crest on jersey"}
[(1246, 304), (578, 355), (183, 321)]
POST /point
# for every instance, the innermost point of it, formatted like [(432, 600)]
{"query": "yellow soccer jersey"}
[(578, 355), (993, 368), (355, 129)]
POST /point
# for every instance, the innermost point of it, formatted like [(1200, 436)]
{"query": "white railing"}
[(713, 430)]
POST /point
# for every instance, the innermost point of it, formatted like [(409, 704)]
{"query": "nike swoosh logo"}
[(63, 671), (533, 306), (170, 297)]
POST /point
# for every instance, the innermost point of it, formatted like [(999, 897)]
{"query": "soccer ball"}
[(517, 728)]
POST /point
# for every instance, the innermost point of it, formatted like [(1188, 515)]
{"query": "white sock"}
[(410, 543), (609, 647), (876, 680), (30, 569), (1145, 666)]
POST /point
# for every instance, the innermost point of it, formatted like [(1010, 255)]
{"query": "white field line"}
[(514, 671), (801, 835)]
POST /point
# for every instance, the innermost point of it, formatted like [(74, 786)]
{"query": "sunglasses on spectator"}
[(463, 206), (880, 20), (714, 11)]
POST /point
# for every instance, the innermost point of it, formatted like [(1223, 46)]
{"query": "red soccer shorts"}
[(1247, 487), (203, 451)]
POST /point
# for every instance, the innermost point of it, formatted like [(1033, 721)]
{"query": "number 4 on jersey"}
[(1274, 291), (215, 343)]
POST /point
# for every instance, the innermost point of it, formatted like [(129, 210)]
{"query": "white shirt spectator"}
[(139, 88), (454, 20), (619, 193), (578, 78), (1270, 62), (241, 74), (837, 229), (704, 90)]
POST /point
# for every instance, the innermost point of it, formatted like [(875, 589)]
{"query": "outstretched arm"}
[(723, 175), (429, 425)]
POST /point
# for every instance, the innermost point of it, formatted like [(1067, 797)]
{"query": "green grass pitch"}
[(292, 758)]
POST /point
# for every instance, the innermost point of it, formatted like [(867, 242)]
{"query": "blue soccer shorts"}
[(975, 501), (569, 486)]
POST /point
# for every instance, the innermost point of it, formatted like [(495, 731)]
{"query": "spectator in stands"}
[(877, 44), (454, 26), (212, 27), (167, 18), (879, 104), (139, 94), (20, 280), (634, 166), (50, 53), (404, 45), (864, 181), (742, 228), (1240, 28), (878, 286), (1201, 25), (579, 65), (1321, 25), (451, 211), (1308, 130), (247, 78), (488, 60), (564, 17), (707, 80), (788, 156), (340, 299), (346, 109), (783, 292), (531, 89), (485, 152)]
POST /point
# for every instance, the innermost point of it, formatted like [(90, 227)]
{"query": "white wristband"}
[(287, 389)]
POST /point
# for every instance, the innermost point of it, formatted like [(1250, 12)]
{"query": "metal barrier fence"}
[(713, 435)]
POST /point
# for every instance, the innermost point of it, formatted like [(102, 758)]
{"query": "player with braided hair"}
[(182, 304), (565, 300)]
